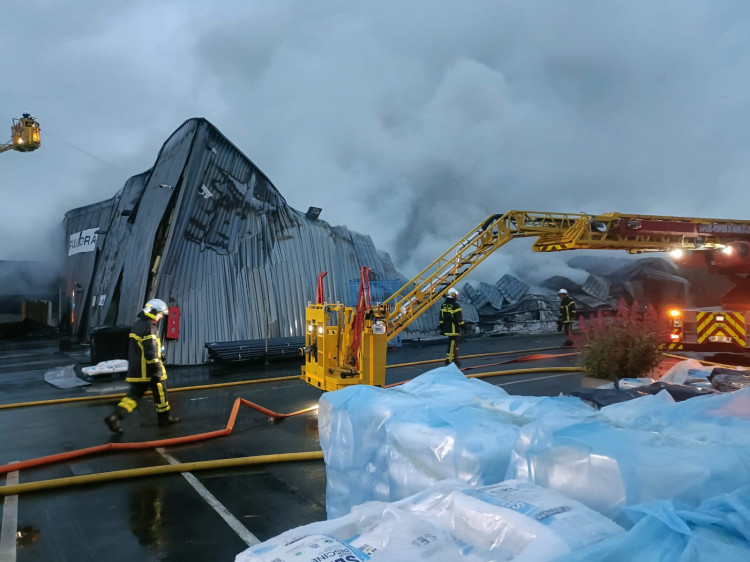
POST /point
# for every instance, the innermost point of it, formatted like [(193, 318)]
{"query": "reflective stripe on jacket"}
[(144, 352), (567, 310), (451, 318)]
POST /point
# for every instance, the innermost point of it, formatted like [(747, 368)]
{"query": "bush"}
[(623, 345)]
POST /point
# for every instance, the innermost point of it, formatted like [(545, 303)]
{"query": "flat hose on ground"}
[(17, 489), (152, 444)]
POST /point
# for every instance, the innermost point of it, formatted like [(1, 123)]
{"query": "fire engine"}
[(723, 328), (347, 345)]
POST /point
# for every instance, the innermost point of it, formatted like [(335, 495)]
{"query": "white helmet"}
[(154, 307), (562, 292), (451, 294)]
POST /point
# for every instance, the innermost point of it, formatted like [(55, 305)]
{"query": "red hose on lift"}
[(152, 444)]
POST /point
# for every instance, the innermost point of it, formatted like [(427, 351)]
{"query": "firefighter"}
[(145, 368), (567, 316), (451, 324)]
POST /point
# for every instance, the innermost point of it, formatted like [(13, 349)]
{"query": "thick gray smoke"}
[(409, 121)]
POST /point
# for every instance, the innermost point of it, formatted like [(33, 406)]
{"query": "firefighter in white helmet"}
[(451, 324), (567, 316), (145, 368)]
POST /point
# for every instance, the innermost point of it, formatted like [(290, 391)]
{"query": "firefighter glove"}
[(560, 326)]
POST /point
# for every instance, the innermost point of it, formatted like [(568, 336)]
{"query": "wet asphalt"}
[(208, 514)]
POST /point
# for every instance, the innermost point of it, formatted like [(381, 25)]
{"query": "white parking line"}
[(10, 522), (223, 512)]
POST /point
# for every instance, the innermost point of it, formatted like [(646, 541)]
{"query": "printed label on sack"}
[(312, 548)]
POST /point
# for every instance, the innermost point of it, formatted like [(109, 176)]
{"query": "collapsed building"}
[(206, 231), (510, 307)]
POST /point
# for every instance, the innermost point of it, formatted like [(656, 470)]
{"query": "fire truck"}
[(347, 345), (723, 328)]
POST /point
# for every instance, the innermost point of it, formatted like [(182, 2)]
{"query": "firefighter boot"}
[(113, 423), (166, 419)]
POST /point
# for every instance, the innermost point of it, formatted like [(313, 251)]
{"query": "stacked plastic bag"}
[(386, 444), (413, 473), (643, 450), (664, 531), (447, 522)]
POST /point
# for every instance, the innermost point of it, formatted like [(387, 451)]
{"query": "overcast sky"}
[(410, 121)]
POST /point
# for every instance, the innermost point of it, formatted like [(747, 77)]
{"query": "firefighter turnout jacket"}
[(144, 352), (451, 318), (567, 311)]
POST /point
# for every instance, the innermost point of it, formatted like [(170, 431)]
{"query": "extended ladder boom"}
[(339, 353), (554, 232)]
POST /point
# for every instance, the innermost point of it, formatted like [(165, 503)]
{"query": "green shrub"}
[(621, 345)]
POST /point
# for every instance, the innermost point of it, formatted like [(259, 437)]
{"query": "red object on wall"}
[(173, 323)]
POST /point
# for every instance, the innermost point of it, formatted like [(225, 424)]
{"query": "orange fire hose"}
[(152, 444)]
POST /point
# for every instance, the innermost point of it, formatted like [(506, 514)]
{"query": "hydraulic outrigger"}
[(346, 346)]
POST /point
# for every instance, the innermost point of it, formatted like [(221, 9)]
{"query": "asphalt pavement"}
[(204, 514)]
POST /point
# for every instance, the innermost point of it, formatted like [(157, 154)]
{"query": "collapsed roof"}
[(508, 306), (205, 230)]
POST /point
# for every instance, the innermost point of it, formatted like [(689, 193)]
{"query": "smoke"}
[(29, 277), (408, 121)]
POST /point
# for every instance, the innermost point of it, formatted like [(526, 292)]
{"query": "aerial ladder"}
[(24, 135), (347, 345)]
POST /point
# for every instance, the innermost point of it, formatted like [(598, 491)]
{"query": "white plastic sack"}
[(111, 366), (447, 522), (685, 371)]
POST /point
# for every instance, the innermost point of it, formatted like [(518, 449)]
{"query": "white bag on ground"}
[(64, 377), (448, 522), (111, 366)]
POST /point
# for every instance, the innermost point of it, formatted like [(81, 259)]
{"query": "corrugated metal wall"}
[(206, 231), (80, 266)]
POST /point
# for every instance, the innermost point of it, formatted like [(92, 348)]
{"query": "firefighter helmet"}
[(154, 307), (562, 292), (451, 294)]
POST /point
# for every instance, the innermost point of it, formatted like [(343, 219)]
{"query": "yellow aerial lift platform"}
[(347, 345), (25, 135)]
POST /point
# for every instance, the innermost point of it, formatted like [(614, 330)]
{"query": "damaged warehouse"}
[(205, 230)]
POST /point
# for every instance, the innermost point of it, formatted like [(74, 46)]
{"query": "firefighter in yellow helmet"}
[(567, 316), (145, 368), (451, 324)]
